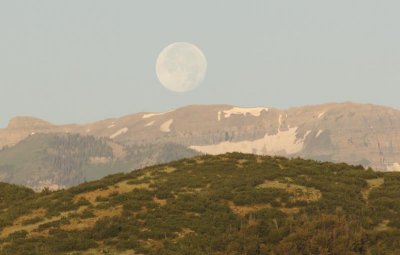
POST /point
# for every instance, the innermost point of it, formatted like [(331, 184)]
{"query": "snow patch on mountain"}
[(395, 167), (283, 142), (149, 115), (244, 111), (321, 115), (149, 124), (166, 126), (280, 121), (319, 133), (256, 111), (119, 132)]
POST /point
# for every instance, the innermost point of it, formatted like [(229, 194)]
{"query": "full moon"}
[(181, 67)]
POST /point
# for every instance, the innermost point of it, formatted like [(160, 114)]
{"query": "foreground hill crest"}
[(227, 204)]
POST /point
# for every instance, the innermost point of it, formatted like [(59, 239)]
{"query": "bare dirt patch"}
[(240, 163), (293, 210), (17, 226), (18, 223), (199, 160), (297, 192), (372, 184), (120, 188), (259, 159), (107, 250), (81, 224), (282, 167), (33, 214), (160, 202), (187, 190), (243, 210), (383, 226), (183, 233), (153, 243), (146, 175), (168, 170)]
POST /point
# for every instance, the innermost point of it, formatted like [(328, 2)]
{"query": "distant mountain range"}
[(359, 134)]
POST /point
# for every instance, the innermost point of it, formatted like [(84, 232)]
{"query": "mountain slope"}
[(227, 204), (347, 132), (62, 160)]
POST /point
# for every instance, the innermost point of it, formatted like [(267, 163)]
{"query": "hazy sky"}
[(80, 61)]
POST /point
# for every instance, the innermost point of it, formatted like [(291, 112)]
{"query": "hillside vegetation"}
[(227, 204)]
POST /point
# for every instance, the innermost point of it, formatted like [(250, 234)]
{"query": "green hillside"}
[(65, 160), (227, 204)]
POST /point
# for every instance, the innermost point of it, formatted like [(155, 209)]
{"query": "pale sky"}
[(81, 61)]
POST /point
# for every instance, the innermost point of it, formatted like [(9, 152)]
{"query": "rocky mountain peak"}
[(25, 122)]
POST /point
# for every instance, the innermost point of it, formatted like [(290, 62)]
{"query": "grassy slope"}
[(227, 204)]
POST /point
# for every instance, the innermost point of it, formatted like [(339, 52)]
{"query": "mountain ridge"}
[(354, 133), (13, 122)]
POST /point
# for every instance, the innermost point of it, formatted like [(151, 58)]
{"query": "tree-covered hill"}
[(227, 204), (63, 160)]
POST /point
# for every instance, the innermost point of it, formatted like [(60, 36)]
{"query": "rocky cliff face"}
[(347, 132)]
